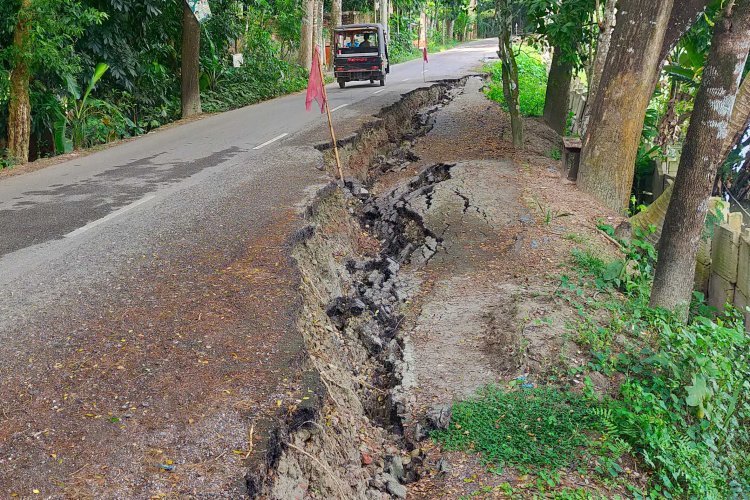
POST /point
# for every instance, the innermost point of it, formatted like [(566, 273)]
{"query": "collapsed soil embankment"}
[(426, 278), (343, 439)]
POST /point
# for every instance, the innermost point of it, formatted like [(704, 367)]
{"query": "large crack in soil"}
[(344, 438)]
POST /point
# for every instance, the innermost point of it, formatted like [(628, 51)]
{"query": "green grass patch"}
[(532, 82), (544, 427)]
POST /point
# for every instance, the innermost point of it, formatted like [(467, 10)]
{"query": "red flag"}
[(424, 53), (315, 90)]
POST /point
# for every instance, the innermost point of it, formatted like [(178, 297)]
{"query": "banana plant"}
[(83, 107)]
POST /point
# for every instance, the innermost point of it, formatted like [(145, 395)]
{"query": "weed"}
[(548, 214), (576, 238), (544, 427), (555, 154)]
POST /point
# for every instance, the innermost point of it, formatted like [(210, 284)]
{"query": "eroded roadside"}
[(344, 436), (423, 280)]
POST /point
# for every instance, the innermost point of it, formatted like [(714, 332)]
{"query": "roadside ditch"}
[(344, 436)]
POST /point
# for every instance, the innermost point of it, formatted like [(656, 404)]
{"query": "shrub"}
[(684, 406), (532, 82)]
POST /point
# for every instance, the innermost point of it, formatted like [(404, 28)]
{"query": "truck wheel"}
[(342, 83), (382, 81)]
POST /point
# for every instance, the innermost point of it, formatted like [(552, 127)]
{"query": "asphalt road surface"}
[(148, 296)]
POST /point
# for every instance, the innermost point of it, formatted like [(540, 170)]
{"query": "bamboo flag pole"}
[(330, 122)]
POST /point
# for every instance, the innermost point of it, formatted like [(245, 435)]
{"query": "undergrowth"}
[(684, 403), (532, 82), (682, 407)]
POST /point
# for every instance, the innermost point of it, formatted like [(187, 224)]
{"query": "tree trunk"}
[(602, 49), (683, 16), (509, 72), (619, 108), (558, 92), (190, 64), (708, 130), (471, 25), (335, 21), (306, 35), (318, 28), (384, 14), (19, 110), (738, 123), (450, 28)]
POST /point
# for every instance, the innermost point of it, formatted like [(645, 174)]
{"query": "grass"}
[(544, 427), (532, 82)]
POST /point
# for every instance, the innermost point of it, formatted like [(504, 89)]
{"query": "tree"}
[(335, 20), (383, 15), (306, 34), (619, 108), (509, 70), (673, 280), (606, 26), (558, 92), (190, 63), (42, 51), (19, 112), (655, 213)]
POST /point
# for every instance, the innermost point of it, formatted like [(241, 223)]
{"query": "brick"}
[(725, 248), (743, 265), (741, 302), (702, 274), (720, 291)]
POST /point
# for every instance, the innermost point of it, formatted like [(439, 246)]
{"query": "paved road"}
[(149, 298)]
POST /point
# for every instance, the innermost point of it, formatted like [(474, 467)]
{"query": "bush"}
[(532, 82), (684, 406), (255, 81)]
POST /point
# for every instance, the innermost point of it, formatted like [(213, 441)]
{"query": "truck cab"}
[(360, 54)]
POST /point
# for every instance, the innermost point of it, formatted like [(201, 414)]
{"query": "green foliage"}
[(532, 82), (566, 25), (684, 405), (555, 153), (545, 427), (254, 82)]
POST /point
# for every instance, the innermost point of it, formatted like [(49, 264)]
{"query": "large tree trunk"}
[(190, 65), (306, 34), (19, 110), (450, 24), (619, 108), (558, 92), (673, 280), (597, 68), (738, 124), (509, 72)]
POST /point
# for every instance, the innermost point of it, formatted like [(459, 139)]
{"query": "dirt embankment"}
[(429, 276)]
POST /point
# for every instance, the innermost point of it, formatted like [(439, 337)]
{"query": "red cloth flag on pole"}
[(424, 54), (315, 90)]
